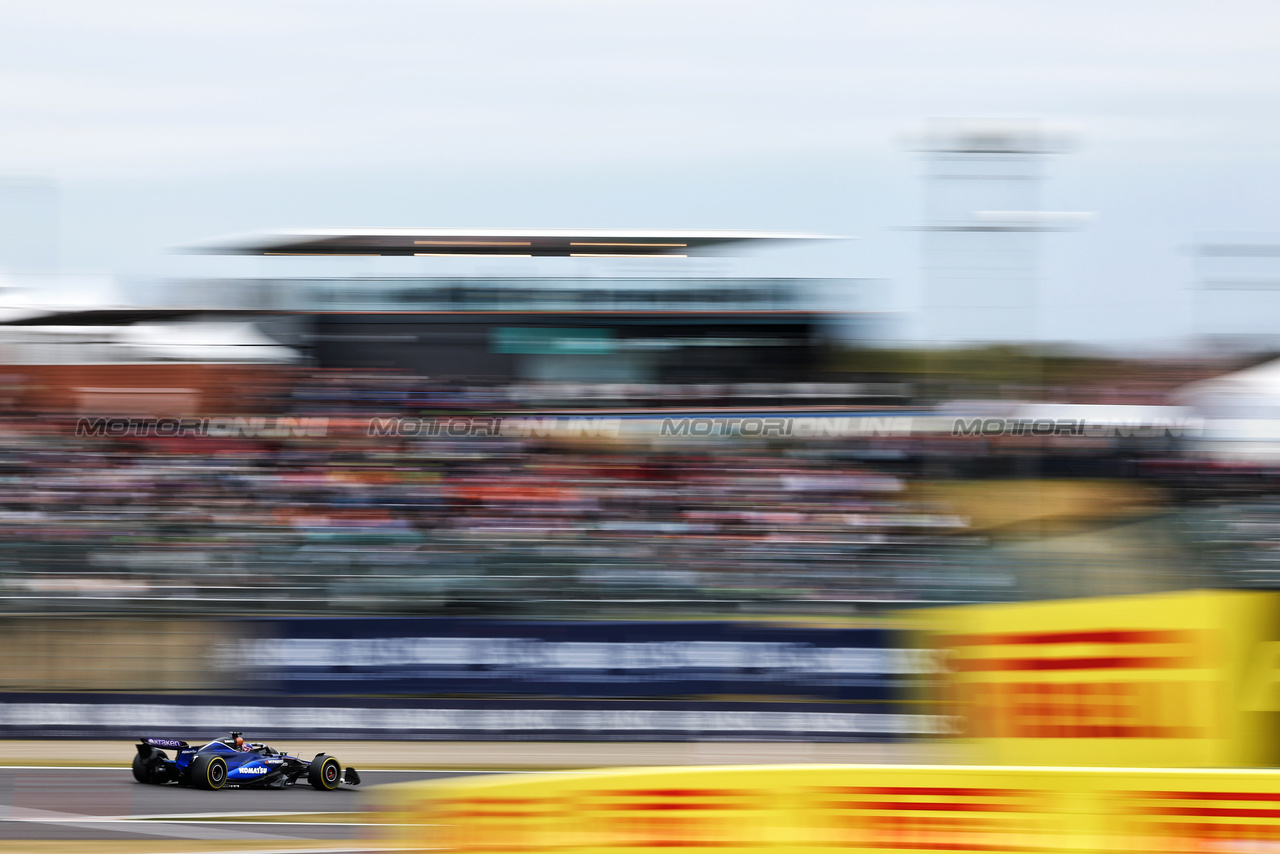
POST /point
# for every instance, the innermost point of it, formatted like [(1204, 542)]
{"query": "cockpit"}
[(228, 746)]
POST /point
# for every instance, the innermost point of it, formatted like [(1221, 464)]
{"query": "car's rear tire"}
[(325, 773), (209, 772), (146, 770)]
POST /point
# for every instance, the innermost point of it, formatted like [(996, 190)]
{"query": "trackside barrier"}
[(1187, 679), (853, 808)]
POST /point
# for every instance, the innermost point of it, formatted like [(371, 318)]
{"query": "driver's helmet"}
[(241, 744)]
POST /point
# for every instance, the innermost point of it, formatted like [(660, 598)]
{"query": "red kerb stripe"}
[(1102, 662), (1116, 636)]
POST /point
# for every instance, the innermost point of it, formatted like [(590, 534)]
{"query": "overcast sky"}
[(162, 123)]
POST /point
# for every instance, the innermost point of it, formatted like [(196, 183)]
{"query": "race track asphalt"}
[(79, 797), (44, 804)]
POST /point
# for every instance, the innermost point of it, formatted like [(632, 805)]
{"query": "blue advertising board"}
[(565, 659)]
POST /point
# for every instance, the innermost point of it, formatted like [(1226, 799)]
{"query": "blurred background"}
[(628, 324)]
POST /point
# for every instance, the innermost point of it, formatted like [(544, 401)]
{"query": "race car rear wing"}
[(171, 743)]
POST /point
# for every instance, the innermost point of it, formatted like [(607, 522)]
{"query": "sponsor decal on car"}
[(258, 770)]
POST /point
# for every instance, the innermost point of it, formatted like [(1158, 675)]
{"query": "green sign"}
[(543, 341)]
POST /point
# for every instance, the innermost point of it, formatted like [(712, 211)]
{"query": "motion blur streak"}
[(560, 384), (852, 808)]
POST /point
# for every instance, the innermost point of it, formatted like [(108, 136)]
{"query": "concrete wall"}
[(102, 654)]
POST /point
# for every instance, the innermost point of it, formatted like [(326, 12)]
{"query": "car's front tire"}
[(325, 773), (209, 772)]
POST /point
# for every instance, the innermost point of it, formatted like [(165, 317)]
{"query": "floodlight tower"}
[(981, 232), (1237, 294)]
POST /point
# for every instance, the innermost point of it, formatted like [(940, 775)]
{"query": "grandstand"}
[(617, 327)]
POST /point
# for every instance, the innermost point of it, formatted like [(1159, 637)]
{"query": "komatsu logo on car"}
[(259, 770)]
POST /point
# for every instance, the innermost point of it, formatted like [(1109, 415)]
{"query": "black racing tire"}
[(209, 772), (325, 773), (145, 770)]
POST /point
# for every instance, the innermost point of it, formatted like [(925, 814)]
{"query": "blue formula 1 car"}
[(234, 763)]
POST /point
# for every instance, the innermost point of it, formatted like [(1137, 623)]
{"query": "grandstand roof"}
[(563, 242)]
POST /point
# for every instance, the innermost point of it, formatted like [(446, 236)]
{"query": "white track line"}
[(236, 814), (171, 830), (196, 817), (152, 822), (361, 770), (362, 850)]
